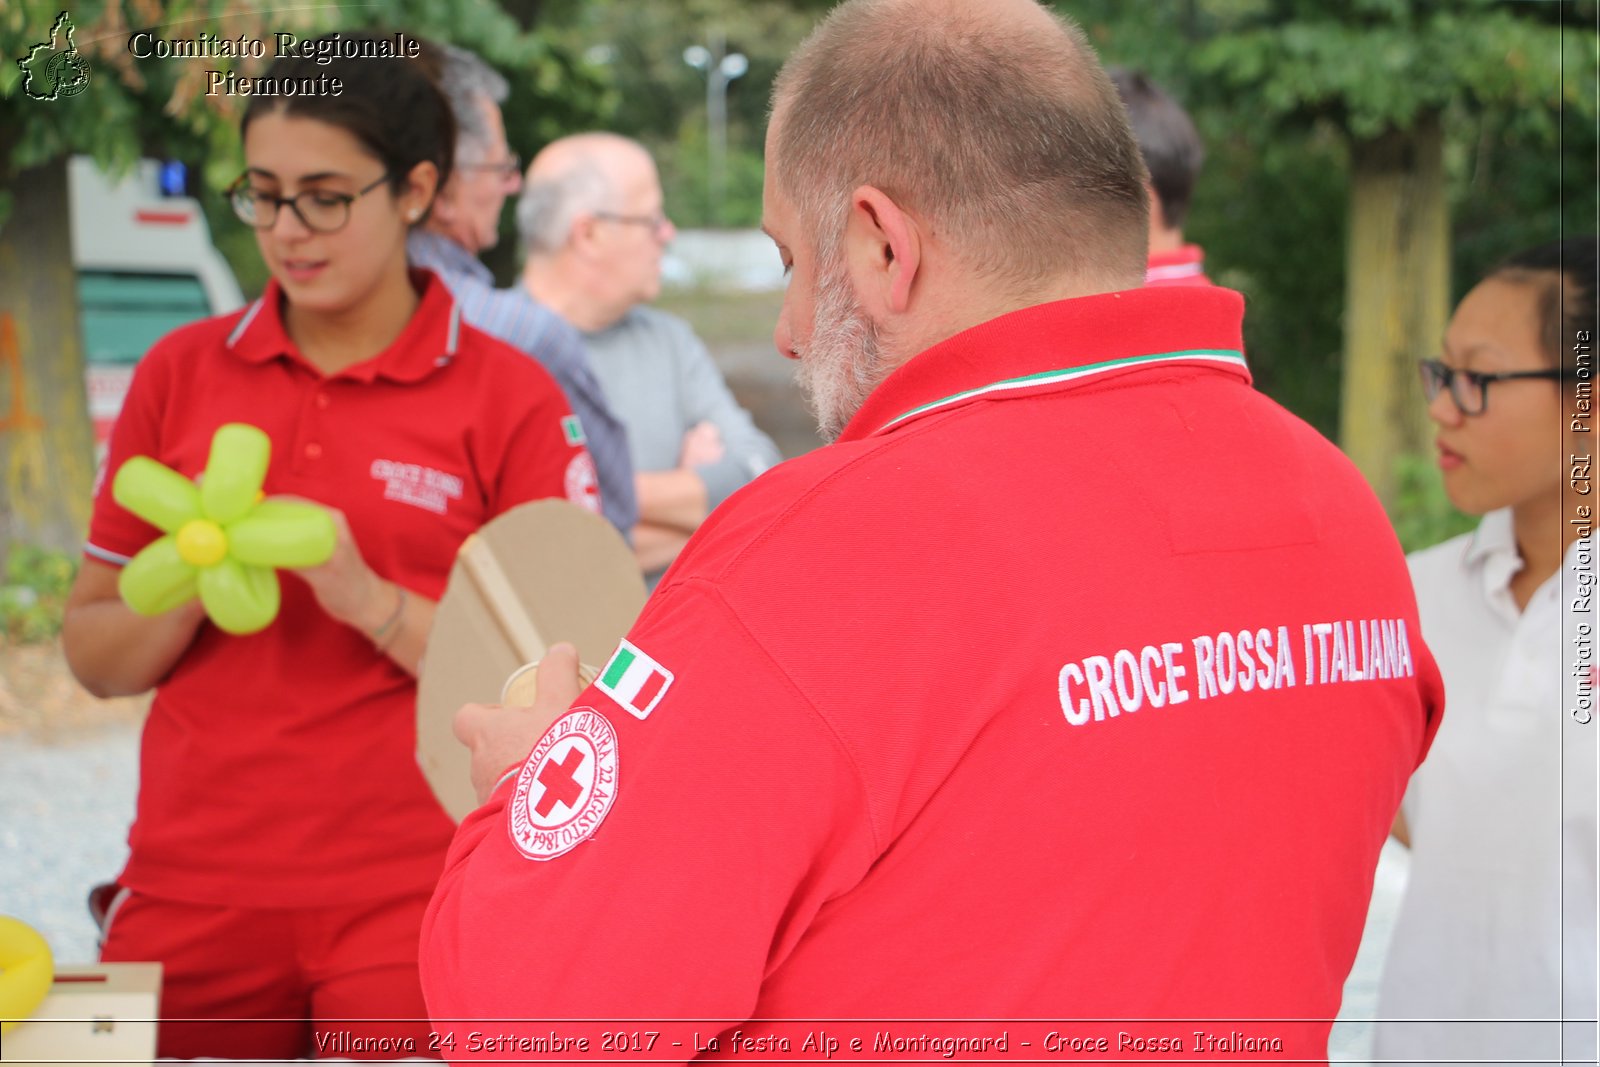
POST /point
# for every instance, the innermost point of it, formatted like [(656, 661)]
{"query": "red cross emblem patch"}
[(566, 787), (583, 482)]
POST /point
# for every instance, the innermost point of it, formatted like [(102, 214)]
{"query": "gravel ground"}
[(67, 805)]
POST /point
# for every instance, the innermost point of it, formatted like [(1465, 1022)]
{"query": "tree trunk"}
[(46, 445), (1397, 296)]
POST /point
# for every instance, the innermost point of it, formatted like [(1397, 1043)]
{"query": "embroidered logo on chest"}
[(582, 483), (419, 486), (566, 787)]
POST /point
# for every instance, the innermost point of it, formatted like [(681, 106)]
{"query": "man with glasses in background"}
[(593, 231), (464, 222)]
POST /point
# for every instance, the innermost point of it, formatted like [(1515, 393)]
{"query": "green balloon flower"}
[(222, 540)]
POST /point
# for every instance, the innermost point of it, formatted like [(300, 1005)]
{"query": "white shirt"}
[(1498, 921)]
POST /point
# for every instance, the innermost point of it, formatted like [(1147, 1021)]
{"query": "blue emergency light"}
[(174, 178)]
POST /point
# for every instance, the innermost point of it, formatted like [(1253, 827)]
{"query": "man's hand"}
[(702, 444), (500, 737)]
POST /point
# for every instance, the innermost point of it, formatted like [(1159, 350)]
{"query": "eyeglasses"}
[(1469, 389), (510, 167), (320, 210), (655, 223)]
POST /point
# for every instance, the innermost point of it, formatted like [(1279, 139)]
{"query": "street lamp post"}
[(720, 67)]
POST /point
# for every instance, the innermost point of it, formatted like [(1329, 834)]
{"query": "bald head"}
[(991, 120), (573, 176), (596, 149), (593, 228)]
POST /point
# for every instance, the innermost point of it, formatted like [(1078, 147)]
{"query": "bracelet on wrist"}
[(512, 772), (385, 635)]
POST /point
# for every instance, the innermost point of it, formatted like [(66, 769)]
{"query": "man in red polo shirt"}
[(1075, 680)]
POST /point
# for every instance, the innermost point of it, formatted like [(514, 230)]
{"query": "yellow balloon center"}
[(201, 543)]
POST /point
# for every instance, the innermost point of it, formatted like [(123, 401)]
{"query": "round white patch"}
[(566, 787), (583, 484)]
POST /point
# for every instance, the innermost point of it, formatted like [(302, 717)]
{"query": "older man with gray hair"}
[(465, 221), (593, 231), (1076, 680)]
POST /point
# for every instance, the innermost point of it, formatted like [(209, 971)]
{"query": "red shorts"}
[(279, 983)]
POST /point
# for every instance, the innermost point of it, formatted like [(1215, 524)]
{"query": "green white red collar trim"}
[(1228, 357)]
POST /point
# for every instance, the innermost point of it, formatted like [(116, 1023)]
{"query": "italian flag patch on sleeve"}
[(634, 680)]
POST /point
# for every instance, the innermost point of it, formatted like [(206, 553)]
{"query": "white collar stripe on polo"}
[(1173, 270), (244, 323), (1231, 357)]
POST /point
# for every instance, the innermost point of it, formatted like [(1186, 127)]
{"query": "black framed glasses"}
[(655, 223), (320, 210), (510, 167), (1470, 389)]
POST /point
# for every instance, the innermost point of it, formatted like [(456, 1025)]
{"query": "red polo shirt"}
[(1182, 266), (278, 769), (1077, 681)]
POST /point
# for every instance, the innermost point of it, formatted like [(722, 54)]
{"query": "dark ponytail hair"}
[(1566, 272), (391, 106)]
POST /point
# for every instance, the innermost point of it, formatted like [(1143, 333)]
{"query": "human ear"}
[(883, 251), (418, 193), (584, 232)]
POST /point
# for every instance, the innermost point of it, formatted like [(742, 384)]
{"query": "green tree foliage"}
[(128, 108), (1377, 65), (1293, 97), (661, 100), (33, 591), (45, 443)]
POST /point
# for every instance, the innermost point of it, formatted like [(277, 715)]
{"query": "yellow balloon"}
[(26, 971), (157, 494), (283, 533), (235, 471), (239, 599), (201, 543), (157, 579)]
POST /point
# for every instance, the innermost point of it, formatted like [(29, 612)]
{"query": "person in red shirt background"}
[(285, 842), (1173, 153)]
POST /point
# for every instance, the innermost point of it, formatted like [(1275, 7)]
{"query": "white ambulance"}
[(145, 266)]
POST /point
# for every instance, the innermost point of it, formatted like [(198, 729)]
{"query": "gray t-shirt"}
[(660, 380)]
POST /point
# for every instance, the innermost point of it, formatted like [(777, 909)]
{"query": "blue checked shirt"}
[(522, 322)]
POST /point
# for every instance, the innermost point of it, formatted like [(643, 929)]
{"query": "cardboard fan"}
[(543, 572)]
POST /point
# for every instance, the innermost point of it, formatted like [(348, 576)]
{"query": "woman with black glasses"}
[(1498, 920), (285, 843)]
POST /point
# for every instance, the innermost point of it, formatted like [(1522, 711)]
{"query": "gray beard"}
[(843, 363)]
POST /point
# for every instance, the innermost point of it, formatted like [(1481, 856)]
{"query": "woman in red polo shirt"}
[(285, 843)]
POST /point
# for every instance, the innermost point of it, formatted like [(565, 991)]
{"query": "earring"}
[(414, 215)]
